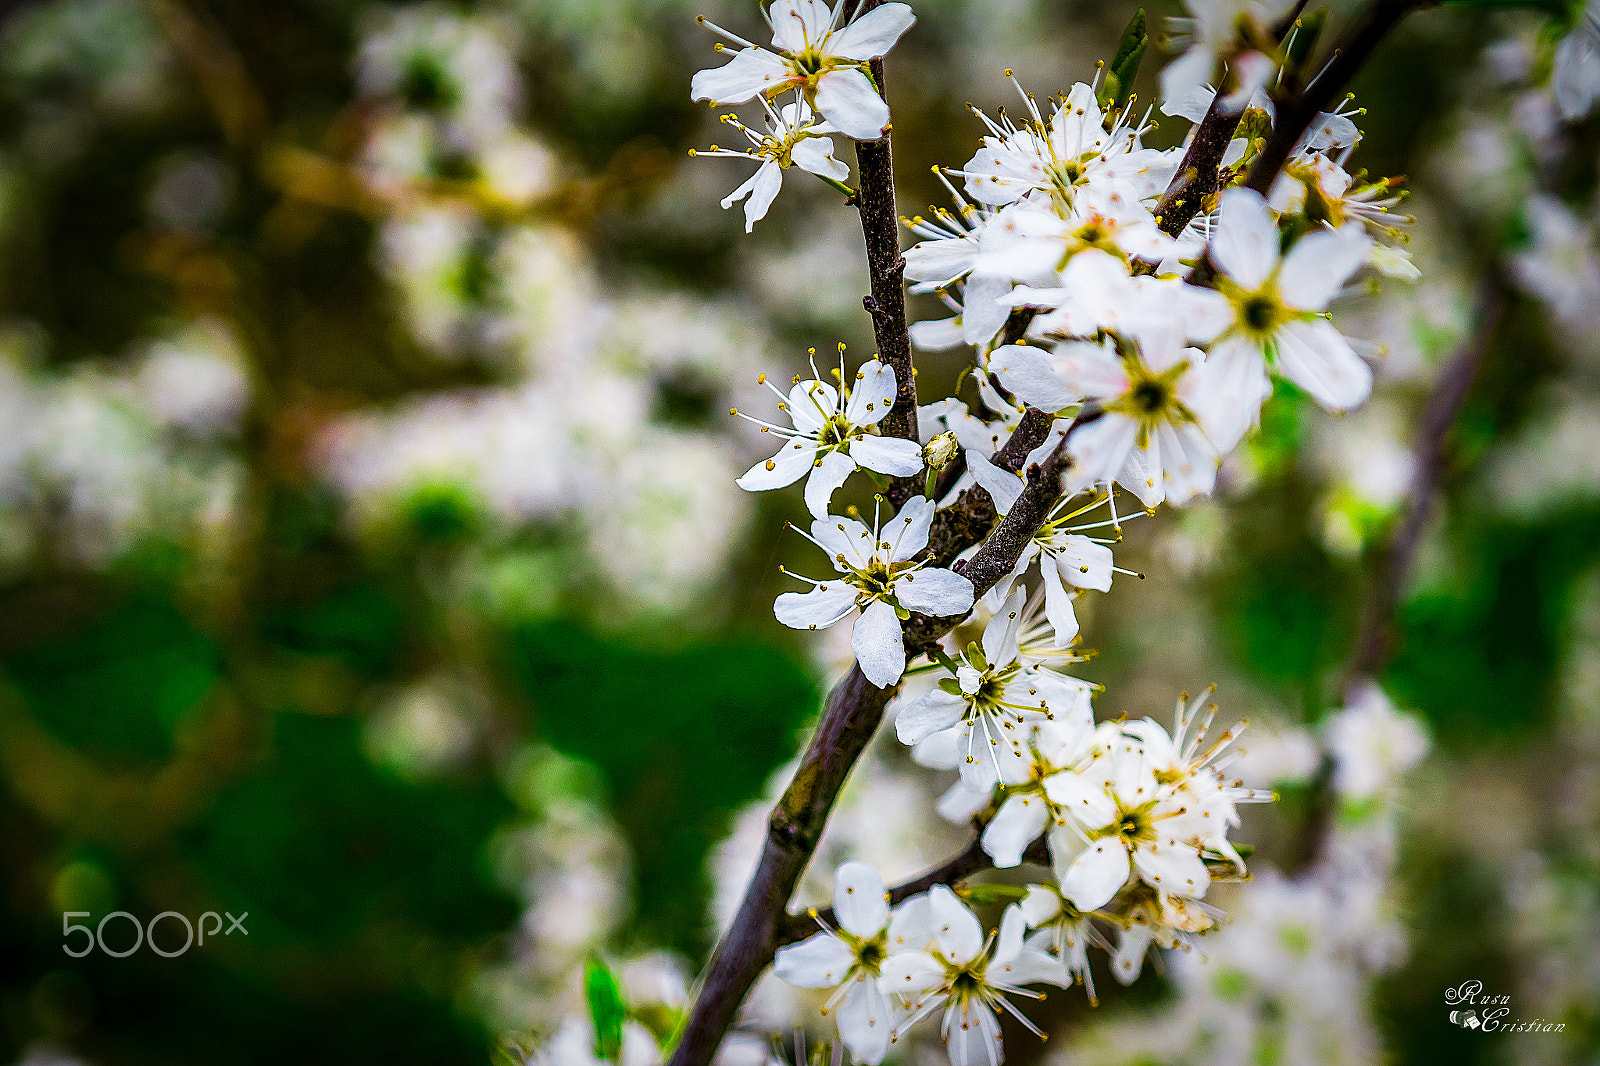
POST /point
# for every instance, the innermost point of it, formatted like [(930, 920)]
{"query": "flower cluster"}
[(822, 65), (1138, 318), (1136, 822)]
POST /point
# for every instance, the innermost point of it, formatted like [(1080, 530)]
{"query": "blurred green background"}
[(400, 719)]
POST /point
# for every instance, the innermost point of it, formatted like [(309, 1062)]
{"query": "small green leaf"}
[(606, 1010), (990, 894), (1134, 39), (1124, 67)]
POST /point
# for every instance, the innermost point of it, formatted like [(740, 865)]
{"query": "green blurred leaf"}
[(652, 722), (606, 1010), (122, 682)]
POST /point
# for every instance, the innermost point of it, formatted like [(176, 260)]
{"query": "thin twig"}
[(1375, 635), (880, 225), (968, 861), (1294, 115), (855, 707), (1200, 174), (963, 864), (1374, 642)]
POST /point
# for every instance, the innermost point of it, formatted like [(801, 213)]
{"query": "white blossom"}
[(1276, 304), (989, 698), (954, 970), (880, 579), (793, 137), (834, 431), (824, 61), (849, 959)]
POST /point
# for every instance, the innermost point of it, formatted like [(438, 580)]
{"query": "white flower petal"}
[(1018, 823), (1000, 635), (826, 476), (1128, 959), (937, 334), (972, 1034), (791, 463), (859, 901), (815, 155), (871, 394), (798, 24), (864, 1020), (1083, 796), (1245, 246), (762, 188), (1034, 376), (843, 537), (939, 750), (1003, 486), (873, 34), (811, 404), (1096, 875), (942, 260), (820, 961), (817, 609), (911, 927), (888, 455), (879, 646), (1083, 562), (1039, 905), (1317, 358), (847, 99), (907, 532), (934, 592), (751, 72), (910, 973), (1058, 609), (985, 306), (934, 711), (1320, 264), (1172, 866), (955, 928)]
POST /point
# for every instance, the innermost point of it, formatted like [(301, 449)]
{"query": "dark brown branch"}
[(853, 712), (970, 860), (970, 518), (1200, 174), (1294, 115), (880, 225), (855, 707)]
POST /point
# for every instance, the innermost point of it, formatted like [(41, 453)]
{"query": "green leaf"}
[(1134, 39), (605, 1008), (991, 894), (1124, 67)]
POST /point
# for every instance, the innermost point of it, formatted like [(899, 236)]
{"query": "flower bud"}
[(938, 452)]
